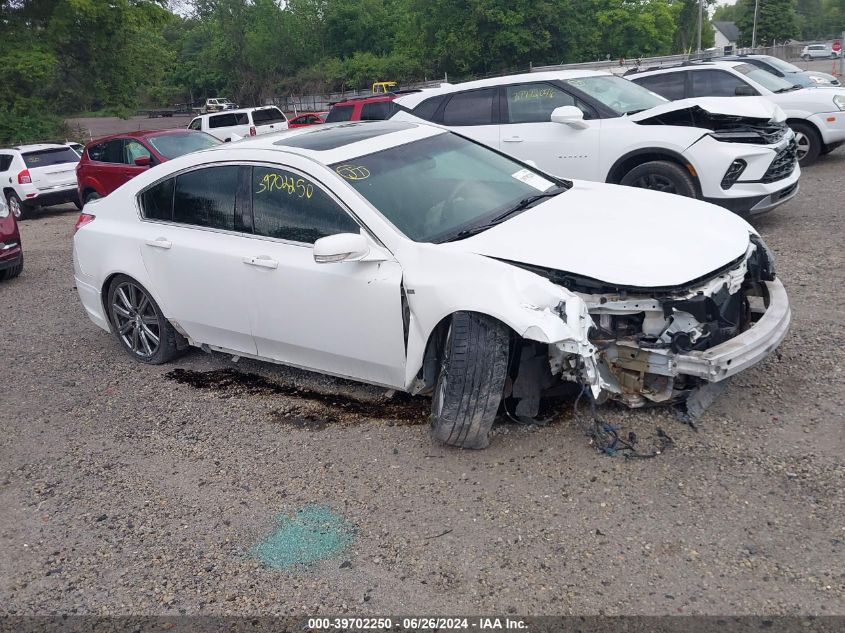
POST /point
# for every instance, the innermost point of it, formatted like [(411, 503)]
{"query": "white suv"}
[(816, 114), (39, 175), (818, 51), (232, 125), (596, 126)]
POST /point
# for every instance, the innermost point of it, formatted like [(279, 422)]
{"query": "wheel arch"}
[(647, 154)]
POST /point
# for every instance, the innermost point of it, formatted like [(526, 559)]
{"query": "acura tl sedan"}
[(408, 256)]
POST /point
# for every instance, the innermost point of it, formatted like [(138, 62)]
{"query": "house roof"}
[(728, 29)]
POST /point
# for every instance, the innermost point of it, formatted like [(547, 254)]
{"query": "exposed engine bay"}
[(642, 335)]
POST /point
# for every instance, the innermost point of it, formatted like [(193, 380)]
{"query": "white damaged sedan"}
[(408, 256)]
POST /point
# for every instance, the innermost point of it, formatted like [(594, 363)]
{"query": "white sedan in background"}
[(411, 257)]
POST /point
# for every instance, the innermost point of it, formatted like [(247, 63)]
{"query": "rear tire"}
[(471, 381), (14, 271), (16, 206), (139, 324), (661, 175), (809, 143)]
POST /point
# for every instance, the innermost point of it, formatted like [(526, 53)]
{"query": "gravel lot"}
[(126, 491)]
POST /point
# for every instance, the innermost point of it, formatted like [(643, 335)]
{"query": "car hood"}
[(619, 235), (751, 107)]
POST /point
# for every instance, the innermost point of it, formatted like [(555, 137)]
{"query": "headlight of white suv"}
[(839, 101)]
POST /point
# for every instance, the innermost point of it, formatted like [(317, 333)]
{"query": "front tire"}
[(138, 323), (661, 175), (14, 271), (472, 378), (808, 141)]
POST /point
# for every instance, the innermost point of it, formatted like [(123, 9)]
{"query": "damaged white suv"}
[(411, 257), (586, 124)]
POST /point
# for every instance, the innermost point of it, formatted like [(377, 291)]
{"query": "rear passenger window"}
[(5, 162), (671, 86), (470, 108), (290, 207), (157, 201), (108, 152), (266, 116), (428, 108), (206, 197), (715, 83), (196, 124), (222, 120), (339, 113), (379, 111)]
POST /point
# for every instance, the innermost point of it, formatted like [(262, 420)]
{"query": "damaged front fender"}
[(533, 307)]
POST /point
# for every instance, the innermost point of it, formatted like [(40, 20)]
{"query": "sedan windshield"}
[(173, 145), (620, 95), (764, 78), (446, 187)]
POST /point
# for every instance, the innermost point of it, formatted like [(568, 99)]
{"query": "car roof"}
[(252, 109), (367, 99), (333, 142), (143, 134), (716, 63), (548, 75), (34, 147)]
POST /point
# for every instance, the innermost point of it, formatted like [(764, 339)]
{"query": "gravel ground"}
[(126, 491)]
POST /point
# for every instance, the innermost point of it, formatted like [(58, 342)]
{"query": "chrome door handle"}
[(512, 139), (159, 242), (261, 260)]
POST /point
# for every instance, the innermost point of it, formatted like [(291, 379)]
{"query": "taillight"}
[(24, 178), (252, 131), (84, 218)]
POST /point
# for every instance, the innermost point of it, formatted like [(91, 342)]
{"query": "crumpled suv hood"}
[(750, 107), (619, 235)]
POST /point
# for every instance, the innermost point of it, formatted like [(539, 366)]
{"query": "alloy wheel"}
[(802, 141), (655, 182), (15, 206), (136, 319)]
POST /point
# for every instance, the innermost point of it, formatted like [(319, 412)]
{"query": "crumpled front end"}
[(662, 345)]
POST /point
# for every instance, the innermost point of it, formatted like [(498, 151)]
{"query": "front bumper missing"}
[(627, 364), (746, 349)]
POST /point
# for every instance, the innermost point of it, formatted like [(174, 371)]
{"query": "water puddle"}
[(313, 534), (317, 411)]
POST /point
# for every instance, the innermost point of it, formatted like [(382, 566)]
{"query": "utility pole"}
[(700, 20), (754, 29)]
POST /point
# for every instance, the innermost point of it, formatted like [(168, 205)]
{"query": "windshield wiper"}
[(790, 89), (521, 205), (635, 111)]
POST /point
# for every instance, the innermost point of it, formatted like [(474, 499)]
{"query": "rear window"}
[(379, 111), (470, 108), (339, 113), (47, 157), (265, 116), (428, 108)]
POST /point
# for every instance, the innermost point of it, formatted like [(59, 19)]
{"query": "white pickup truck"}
[(216, 104)]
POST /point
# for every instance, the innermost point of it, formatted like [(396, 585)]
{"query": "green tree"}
[(777, 21)]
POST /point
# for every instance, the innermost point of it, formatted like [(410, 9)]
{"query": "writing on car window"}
[(273, 181)]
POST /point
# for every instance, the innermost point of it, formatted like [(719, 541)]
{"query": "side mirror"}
[(569, 115), (143, 161), (343, 247), (745, 91)]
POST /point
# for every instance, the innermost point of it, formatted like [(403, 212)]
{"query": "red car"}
[(11, 250), (373, 108), (304, 119), (109, 162)]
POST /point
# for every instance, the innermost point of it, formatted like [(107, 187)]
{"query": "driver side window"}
[(133, 150), (288, 206), (534, 103)]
